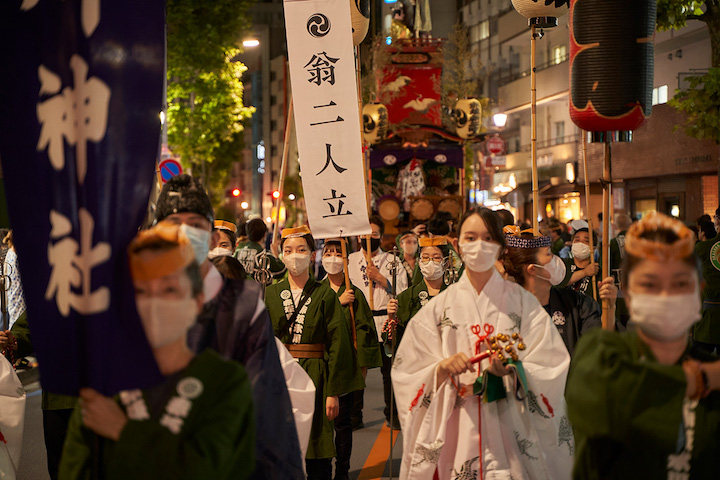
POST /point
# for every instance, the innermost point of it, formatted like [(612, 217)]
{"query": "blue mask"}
[(199, 239)]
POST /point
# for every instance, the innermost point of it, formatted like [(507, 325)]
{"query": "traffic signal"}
[(236, 192), (276, 194)]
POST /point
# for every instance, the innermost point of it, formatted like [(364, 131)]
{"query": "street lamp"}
[(251, 43), (291, 197), (244, 205), (500, 119)]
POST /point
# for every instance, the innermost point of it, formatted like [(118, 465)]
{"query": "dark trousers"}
[(319, 468), (357, 406), (387, 385), (343, 437), (55, 425)]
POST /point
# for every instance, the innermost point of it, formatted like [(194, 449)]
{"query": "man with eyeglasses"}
[(376, 277)]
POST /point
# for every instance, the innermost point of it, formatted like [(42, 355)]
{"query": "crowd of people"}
[(487, 334)]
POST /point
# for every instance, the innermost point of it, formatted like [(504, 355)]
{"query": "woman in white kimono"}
[(517, 427)]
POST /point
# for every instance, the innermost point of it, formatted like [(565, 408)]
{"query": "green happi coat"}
[(368, 347), (334, 375), (627, 412), (198, 424), (410, 302)]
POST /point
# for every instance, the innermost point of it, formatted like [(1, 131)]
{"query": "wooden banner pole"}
[(348, 287), (533, 122), (587, 207), (283, 168), (607, 322)]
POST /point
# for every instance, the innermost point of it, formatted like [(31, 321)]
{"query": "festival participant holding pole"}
[(234, 322), (530, 262), (197, 424), (645, 403), (358, 316), (448, 431), (373, 278), (433, 252), (308, 318)]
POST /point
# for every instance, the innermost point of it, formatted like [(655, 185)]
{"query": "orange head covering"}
[(659, 251), (173, 253)]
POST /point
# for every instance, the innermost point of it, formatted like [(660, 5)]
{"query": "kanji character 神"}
[(75, 115)]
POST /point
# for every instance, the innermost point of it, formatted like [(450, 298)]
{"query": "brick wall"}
[(710, 194)]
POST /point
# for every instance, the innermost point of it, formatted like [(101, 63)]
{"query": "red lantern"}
[(611, 63)]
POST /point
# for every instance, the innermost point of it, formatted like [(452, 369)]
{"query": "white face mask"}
[(297, 263), (665, 317), (580, 250), (556, 268), (332, 265), (479, 256), (166, 320), (410, 248), (199, 239), (431, 270), (219, 252)]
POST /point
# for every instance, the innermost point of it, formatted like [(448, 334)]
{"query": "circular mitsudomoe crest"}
[(318, 25), (390, 159), (715, 255), (441, 158)]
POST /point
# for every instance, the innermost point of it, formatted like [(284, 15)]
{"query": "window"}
[(559, 54), (559, 132), (660, 95), (484, 29)]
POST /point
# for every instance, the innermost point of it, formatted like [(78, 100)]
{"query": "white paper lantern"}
[(541, 8), (375, 122), (468, 116), (360, 14)]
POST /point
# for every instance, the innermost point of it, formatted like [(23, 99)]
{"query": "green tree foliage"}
[(701, 100), (205, 92)]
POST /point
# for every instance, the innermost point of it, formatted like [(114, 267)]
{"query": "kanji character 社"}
[(72, 264)]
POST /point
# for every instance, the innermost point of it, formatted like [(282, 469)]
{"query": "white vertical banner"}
[(327, 122)]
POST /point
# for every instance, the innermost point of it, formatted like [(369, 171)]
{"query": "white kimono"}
[(357, 266), (529, 439)]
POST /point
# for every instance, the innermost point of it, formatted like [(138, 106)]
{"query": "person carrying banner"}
[(433, 252), (367, 346), (199, 422), (488, 336), (308, 318), (378, 273), (247, 253), (529, 261), (235, 323), (645, 403)]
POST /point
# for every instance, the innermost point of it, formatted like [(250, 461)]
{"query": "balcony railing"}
[(508, 75), (546, 143)]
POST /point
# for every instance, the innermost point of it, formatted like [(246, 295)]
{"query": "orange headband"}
[(223, 225), (295, 232), (161, 262), (659, 251), (432, 242)]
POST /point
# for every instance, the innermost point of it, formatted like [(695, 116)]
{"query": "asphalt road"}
[(375, 438)]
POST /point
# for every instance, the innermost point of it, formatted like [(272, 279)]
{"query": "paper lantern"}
[(467, 115), (611, 63), (360, 14), (375, 122), (543, 13)]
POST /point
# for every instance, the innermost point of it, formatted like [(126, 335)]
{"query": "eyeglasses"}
[(426, 260)]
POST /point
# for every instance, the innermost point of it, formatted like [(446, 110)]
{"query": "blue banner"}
[(81, 89)]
